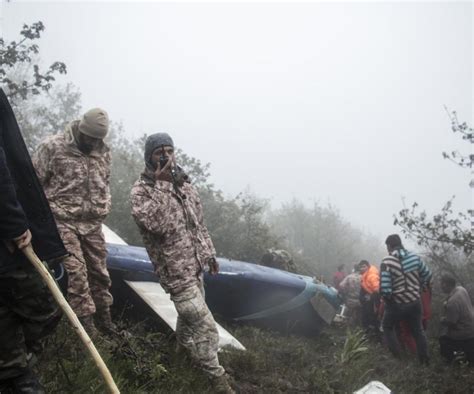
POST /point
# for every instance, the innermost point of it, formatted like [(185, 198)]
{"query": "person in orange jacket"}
[(369, 295)]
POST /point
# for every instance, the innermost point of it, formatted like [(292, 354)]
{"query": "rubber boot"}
[(27, 383), (88, 324)]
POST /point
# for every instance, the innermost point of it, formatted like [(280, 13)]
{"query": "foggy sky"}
[(327, 102)]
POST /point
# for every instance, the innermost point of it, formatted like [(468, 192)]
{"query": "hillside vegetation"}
[(337, 361)]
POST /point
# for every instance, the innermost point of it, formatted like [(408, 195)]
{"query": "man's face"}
[(363, 268), (87, 144), (166, 151), (445, 288)]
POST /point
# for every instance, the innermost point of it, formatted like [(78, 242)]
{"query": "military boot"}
[(221, 384), (104, 321), (88, 324), (27, 383)]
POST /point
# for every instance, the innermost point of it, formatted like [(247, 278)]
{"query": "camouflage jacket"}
[(279, 259), (171, 224), (76, 185), (350, 287)]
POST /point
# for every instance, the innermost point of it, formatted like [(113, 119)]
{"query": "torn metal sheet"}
[(158, 300)]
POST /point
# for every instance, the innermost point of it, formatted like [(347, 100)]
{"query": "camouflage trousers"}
[(196, 329), (28, 313), (88, 279)]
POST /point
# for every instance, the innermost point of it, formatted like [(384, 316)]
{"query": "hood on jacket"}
[(153, 142)]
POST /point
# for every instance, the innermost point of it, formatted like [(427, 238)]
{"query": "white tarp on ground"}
[(374, 387), (156, 298)]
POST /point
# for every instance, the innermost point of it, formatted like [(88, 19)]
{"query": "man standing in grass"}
[(403, 277), (74, 169), (168, 212)]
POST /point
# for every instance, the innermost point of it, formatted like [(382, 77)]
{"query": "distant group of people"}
[(397, 302), (67, 195)]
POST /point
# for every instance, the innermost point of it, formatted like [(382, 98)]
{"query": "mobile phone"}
[(163, 158)]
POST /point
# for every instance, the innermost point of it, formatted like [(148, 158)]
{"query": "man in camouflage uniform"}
[(74, 168), (278, 258), (349, 288), (168, 212)]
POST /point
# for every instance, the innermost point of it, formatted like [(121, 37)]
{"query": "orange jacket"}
[(370, 280)]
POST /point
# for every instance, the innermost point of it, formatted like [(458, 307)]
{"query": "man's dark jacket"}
[(23, 204)]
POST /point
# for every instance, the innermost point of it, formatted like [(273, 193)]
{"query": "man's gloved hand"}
[(213, 265)]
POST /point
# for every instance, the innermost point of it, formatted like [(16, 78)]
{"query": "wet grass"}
[(337, 361)]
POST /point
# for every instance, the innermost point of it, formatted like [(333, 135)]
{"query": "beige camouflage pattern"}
[(278, 258), (179, 245), (171, 224), (350, 287), (28, 313), (76, 185), (350, 291), (196, 329), (88, 279)]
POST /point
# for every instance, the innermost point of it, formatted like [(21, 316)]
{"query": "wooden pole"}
[(76, 324)]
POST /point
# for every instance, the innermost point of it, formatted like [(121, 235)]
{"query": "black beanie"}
[(153, 142)]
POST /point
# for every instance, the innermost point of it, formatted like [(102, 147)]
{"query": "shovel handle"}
[(76, 324)]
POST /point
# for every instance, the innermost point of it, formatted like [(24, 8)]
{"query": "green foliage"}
[(197, 171), (273, 363), (467, 134), (355, 346), (40, 116), (446, 237), (22, 53), (237, 225), (444, 228), (320, 239), (135, 362), (127, 164)]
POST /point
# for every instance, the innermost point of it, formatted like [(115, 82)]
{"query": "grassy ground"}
[(334, 362)]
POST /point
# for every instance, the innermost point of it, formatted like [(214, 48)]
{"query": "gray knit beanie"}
[(95, 123), (155, 141)]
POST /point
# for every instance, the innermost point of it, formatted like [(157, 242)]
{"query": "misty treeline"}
[(242, 227)]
